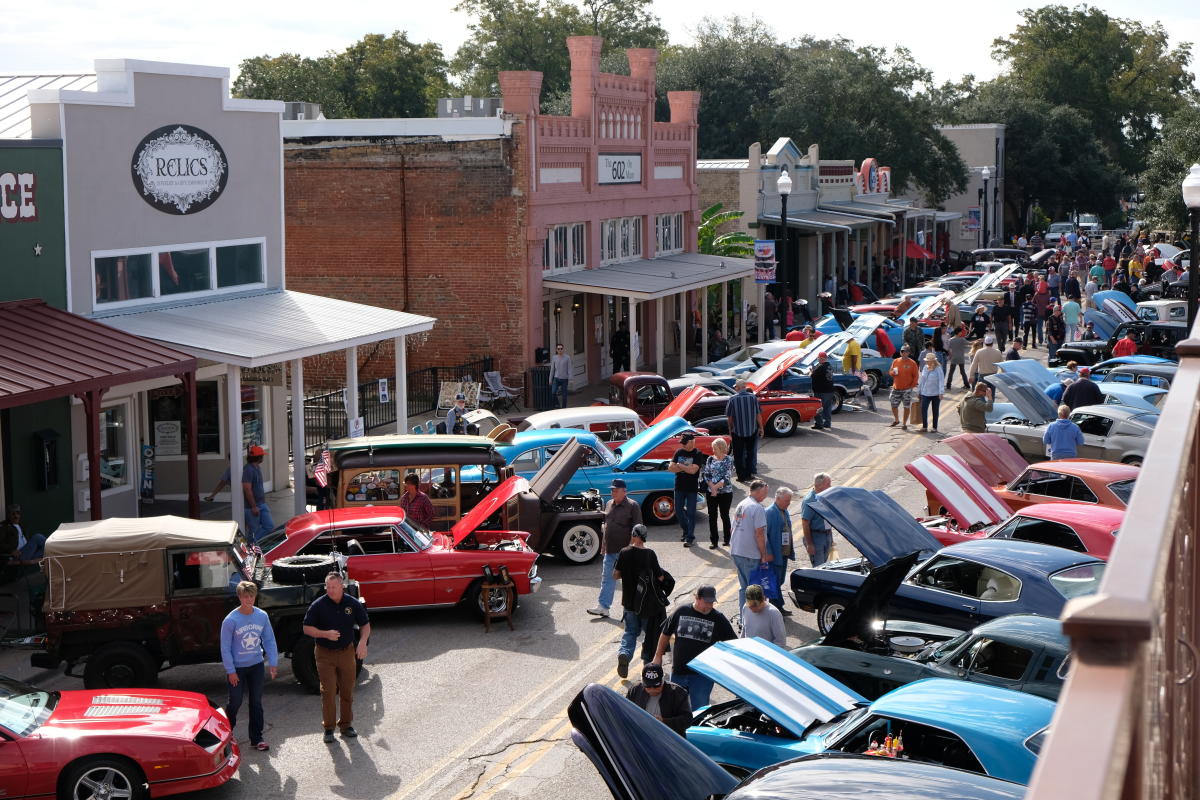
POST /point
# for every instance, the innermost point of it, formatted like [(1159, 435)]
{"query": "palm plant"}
[(735, 244)]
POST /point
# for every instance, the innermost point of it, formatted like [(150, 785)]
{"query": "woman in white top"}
[(930, 385)]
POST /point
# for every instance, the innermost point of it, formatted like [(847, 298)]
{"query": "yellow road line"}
[(861, 477)]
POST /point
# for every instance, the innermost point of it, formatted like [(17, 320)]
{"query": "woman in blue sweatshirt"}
[(246, 636)]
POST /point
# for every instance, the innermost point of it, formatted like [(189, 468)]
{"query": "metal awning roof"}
[(651, 278), (947, 216), (819, 220), (269, 327), (15, 122), (47, 353), (871, 209)]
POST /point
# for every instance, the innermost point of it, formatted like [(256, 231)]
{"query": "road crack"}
[(542, 740), (468, 793)]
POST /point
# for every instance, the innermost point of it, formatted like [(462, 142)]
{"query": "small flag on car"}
[(321, 470)]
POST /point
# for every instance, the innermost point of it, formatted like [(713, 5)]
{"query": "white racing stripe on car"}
[(967, 498)]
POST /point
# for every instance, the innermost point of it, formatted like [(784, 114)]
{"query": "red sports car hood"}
[(683, 403), (968, 499), (132, 711), (762, 377), (988, 455)]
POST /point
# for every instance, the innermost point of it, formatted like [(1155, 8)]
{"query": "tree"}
[(1168, 164), (532, 35), (291, 78), (732, 244)]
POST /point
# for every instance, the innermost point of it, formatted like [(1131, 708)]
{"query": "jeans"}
[(1028, 335), (608, 584), (1001, 334), (745, 566), (699, 687), (250, 681), (1040, 327), (928, 400), (962, 370), (260, 525), (780, 576), (822, 540), (636, 626), (825, 415), (558, 388), (745, 456), (1052, 349), (719, 503), (35, 545), (685, 512)]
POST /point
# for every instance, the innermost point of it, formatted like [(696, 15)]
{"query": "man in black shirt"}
[(666, 702), (640, 576), (1083, 392), (330, 621), (695, 628), (824, 390), (686, 465)]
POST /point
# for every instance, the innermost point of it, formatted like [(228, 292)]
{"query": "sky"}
[(59, 36)]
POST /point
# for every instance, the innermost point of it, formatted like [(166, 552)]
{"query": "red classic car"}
[(105, 745), (975, 511), (782, 412), (401, 565), (1019, 483)]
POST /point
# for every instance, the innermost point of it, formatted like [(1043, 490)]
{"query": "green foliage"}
[(377, 76), (732, 244), (532, 35), (1169, 162), (1039, 220)]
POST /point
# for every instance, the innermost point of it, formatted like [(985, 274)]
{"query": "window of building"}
[(668, 232), (620, 240), (254, 417), (118, 466), (126, 277), (168, 419), (565, 248)]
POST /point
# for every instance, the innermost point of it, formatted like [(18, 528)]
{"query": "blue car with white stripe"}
[(785, 708)]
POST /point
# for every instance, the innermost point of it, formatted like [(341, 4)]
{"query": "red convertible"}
[(108, 745), (401, 565)]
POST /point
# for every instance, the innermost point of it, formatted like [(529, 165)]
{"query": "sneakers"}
[(598, 611), (689, 542), (263, 746), (329, 736), (349, 733), (622, 665)]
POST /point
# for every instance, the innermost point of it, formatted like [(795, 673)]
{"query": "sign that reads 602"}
[(619, 168)]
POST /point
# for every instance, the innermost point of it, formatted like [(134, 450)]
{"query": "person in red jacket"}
[(1126, 346)]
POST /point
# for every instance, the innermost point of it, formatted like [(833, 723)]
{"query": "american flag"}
[(321, 469)]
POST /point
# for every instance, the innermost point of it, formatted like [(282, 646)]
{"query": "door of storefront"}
[(567, 315)]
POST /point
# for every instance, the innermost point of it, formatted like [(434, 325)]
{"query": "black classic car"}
[(1153, 339)]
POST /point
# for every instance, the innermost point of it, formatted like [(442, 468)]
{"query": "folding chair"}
[(502, 396)]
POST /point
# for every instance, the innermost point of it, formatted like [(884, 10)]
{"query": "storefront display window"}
[(123, 278), (116, 460), (182, 269), (239, 264), (168, 415), (253, 416)]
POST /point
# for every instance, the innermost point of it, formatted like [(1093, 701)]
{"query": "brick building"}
[(521, 230)]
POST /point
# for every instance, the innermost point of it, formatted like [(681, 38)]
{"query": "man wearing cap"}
[(258, 515), (666, 702), (620, 515), (686, 463), (696, 627), (456, 417), (1126, 346), (904, 382), (1083, 392), (560, 374), (744, 416), (985, 360), (640, 576), (824, 390), (974, 410)]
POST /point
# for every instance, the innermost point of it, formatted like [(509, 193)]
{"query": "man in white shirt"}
[(748, 542)]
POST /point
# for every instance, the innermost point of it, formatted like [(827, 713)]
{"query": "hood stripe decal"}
[(967, 498)]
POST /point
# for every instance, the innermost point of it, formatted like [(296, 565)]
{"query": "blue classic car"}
[(639, 758), (649, 481), (1121, 393), (958, 586), (785, 707)]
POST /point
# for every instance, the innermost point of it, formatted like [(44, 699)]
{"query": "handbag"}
[(764, 576)]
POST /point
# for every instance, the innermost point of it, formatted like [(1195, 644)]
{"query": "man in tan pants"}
[(330, 621)]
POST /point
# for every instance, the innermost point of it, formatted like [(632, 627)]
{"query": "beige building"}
[(980, 146)]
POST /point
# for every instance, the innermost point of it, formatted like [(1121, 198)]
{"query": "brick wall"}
[(721, 186), (418, 225)]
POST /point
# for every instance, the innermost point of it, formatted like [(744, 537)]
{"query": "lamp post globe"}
[(784, 186), (1191, 199)]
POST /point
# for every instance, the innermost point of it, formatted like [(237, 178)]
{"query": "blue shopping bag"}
[(764, 576)]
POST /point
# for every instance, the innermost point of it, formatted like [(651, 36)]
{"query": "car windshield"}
[(1122, 489), (273, 539), (1078, 581), (418, 535), (23, 707), (946, 649), (839, 726)]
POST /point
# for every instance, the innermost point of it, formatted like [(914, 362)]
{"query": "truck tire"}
[(578, 542), (297, 570), (120, 665), (304, 664)]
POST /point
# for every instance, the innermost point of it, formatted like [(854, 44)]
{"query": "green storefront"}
[(35, 439)]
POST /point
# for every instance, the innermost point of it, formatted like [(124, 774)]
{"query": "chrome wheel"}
[(661, 508), (828, 614), (103, 783), (873, 381), (782, 423)]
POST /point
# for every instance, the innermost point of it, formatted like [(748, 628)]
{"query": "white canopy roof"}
[(648, 278)]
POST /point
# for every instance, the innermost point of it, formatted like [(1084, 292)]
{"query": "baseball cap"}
[(618, 483), (640, 531), (1084, 371), (822, 355), (652, 675), (708, 593), (904, 348), (989, 339), (255, 450), (460, 396)]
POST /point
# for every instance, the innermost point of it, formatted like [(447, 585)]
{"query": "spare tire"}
[(296, 570)]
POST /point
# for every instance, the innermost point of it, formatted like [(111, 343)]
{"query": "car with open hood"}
[(958, 586), (1019, 483), (640, 758), (798, 377), (1152, 338), (1145, 398), (105, 745), (741, 358), (974, 511), (784, 707)]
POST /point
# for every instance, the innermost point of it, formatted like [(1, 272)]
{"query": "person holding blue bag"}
[(779, 543)]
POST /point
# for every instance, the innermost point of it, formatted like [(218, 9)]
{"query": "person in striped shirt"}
[(745, 427)]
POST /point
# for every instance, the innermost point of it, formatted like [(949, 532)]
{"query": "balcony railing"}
[(1127, 725)]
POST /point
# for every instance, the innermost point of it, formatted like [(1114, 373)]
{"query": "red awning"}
[(913, 250), (46, 353)]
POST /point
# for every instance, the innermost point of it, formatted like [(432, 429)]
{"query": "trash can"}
[(539, 386)]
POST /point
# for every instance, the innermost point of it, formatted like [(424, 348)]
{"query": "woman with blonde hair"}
[(717, 474)]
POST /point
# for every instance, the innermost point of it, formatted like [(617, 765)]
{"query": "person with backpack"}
[(643, 598)]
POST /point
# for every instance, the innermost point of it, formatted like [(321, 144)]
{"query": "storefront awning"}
[(883, 210), (818, 220), (270, 327), (947, 216), (650, 278), (47, 353)]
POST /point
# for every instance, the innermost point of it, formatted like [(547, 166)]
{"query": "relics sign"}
[(179, 169), (764, 260), (622, 168)]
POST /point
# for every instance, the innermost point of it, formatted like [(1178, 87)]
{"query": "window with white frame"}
[(620, 240), (668, 232), (118, 463), (565, 248), (145, 274)]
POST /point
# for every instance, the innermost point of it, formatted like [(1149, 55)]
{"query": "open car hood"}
[(843, 317), (639, 757), (761, 378), (683, 403), (548, 481), (1033, 371), (874, 523), (1031, 401), (966, 497), (866, 324), (988, 455), (787, 689), (1105, 324), (1119, 299), (855, 628), (492, 502), (637, 447)]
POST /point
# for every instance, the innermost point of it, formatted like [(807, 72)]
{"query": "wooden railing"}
[(1126, 726)]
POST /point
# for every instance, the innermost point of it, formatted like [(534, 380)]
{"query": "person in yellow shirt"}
[(1135, 270), (852, 365)]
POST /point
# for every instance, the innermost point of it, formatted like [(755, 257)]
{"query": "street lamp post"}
[(784, 186), (1191, 199), (987, 175)]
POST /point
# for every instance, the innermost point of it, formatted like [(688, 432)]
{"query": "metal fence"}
[(1127, 726), (325, 414)]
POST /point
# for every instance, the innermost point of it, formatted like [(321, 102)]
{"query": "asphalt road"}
[(445, 710)]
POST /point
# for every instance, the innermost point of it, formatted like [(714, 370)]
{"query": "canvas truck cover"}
[(119, 562)]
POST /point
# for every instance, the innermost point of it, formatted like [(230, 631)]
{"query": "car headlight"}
[(533, 572)]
